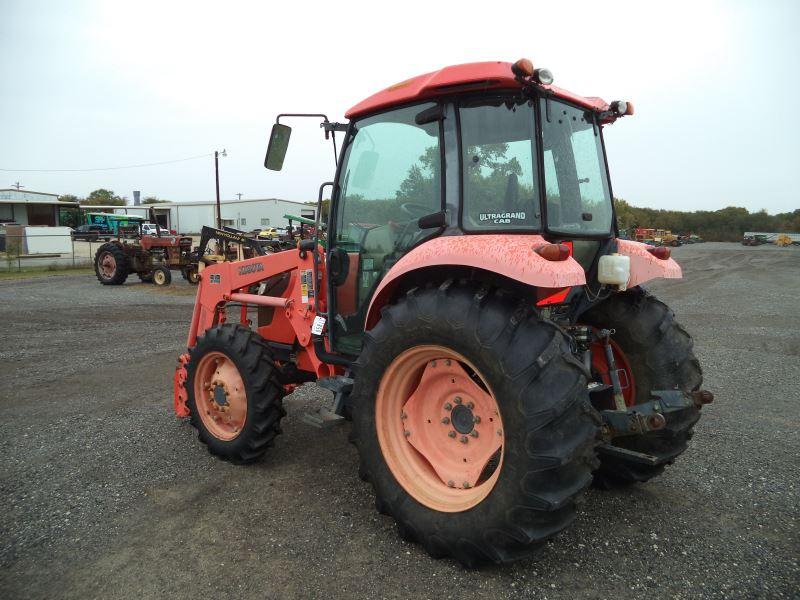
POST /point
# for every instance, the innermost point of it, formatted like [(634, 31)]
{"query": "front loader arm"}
[(231, 282), (228, 282)]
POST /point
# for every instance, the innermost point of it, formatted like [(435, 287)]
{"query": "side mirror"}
[(278, 144)]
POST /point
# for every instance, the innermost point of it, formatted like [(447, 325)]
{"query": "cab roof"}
[(459, 78)]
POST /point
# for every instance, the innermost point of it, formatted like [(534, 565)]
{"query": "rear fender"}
[(511, 256), (645, 266)]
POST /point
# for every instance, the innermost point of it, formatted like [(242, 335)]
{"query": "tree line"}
[(724, 225), (104, 197)]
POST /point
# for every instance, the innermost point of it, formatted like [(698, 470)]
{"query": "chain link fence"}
[(19, 252)]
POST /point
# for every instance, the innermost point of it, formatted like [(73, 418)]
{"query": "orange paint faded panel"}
[(512, 256), (645, 266)]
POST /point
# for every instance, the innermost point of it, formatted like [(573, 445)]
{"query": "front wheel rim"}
[(159, 277), (219, 396), (439, 428)]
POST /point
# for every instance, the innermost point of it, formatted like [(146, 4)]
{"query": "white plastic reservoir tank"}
[(614, 269)]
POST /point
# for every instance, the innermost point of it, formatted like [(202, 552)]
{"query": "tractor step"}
[(325, 418), (336, 384)]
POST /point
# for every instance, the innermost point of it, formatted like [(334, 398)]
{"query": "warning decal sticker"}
[(306, 285)]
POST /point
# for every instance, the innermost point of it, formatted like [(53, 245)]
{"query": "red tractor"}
[(473, 311), (151, 257)]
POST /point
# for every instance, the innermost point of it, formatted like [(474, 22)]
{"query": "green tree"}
[(487, 176), (420, 180), (69, 217), (69, 198), (102, 197), (326, 204), (154, 200), (724, 225)]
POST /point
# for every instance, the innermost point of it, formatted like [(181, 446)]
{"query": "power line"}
[(166, 162)]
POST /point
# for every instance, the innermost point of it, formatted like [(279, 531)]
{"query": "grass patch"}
[(46, 271)]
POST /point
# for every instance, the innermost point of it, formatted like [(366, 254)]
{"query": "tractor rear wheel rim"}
[(220, 396), (439, 428), (108, 264)]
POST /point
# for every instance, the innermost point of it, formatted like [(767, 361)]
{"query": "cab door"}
[(390, 176)]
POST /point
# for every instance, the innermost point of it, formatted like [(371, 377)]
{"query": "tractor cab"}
[(470, 150)]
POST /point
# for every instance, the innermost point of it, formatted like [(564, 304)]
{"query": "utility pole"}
[(17, 185), (239, 195), (216, 172)]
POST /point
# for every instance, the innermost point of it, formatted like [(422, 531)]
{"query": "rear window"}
[(499, 171)]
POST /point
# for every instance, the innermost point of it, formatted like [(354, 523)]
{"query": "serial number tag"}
[(318, 325)]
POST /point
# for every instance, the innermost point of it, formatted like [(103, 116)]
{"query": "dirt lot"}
[(105, 494)]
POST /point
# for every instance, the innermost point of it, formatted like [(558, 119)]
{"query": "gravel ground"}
[(107, 495)]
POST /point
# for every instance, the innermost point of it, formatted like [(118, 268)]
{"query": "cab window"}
[(499, 182), (576, 182), (390, 177)]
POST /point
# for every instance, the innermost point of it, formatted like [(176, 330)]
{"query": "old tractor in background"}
[(151, 257), (754, 239), (473, 311), (664, 237)]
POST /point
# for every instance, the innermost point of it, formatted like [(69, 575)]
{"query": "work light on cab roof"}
[(524, 69)]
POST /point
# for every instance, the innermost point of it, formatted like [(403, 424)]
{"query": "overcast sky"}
[(89, 84)]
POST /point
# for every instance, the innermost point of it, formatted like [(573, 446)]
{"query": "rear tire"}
[(549, 427), (251, 356), (660, 355), (111, 264)]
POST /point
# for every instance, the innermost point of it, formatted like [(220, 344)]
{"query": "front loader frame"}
[(294, 310)]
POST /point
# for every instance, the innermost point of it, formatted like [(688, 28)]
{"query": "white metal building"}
[(189, 217), (32, 208)]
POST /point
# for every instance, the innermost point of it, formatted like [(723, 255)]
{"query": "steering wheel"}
[(415, 210)]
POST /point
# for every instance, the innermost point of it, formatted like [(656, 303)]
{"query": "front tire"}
[(526, 491), (659, 353), (161, 276), (234, 397), (191, 274)]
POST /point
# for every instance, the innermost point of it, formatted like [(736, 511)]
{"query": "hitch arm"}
[(650, 416)]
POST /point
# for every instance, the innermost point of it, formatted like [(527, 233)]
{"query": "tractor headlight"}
[(543, 76), (622, 108)]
